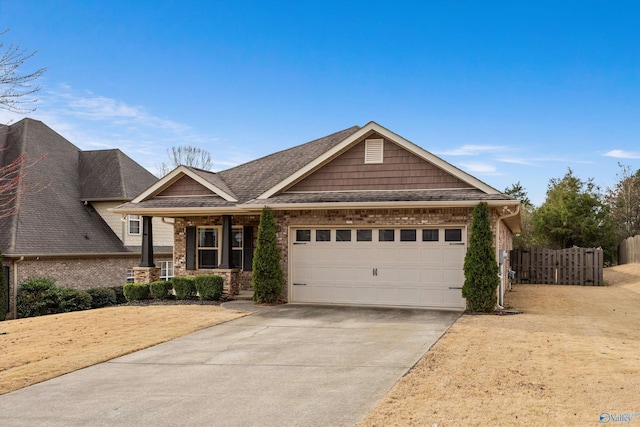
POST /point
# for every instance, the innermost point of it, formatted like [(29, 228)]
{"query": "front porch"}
[(205, 245)]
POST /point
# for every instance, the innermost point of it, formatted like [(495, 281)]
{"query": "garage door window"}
[(453, 235), (430, 235), (364, 235), (343, 235), (407, 235), (303, 235), (323, 235), (386, 235)]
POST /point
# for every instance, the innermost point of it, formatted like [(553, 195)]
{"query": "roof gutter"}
[(21, 257), (257, 207)]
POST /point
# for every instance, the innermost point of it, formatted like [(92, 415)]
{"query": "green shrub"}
[(480, 266), (102, 297), (267, 274), (184, 287), (119, 291), (161, 289), (4, 293), (73, 300), (209, 287), (136, 291), (38, 296)]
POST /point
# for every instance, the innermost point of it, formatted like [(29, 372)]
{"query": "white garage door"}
[(395, 266)]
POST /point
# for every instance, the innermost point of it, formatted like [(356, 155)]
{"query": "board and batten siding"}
[(400, 170)]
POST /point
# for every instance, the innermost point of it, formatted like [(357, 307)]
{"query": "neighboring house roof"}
[(325, 173), (52, 217), (111, 175)]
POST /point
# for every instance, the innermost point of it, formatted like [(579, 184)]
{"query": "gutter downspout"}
[(501, 286), (14, 308)]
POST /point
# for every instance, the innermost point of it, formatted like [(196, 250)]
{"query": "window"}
[(407, 235), (373, 151), (386, 235), (134, 225), (453, 235), (208, 247), (343, 235), (303, 235), (236, 247), (363, 235), (323, 235), (166, 270), (130, 276), (430, 235)]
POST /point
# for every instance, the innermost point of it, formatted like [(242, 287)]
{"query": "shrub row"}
[(206, 287), (40, 296)]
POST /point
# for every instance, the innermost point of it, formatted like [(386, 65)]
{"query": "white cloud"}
[(92, 121), (516, 161), (472, 150), (480, 168), (623, 154)]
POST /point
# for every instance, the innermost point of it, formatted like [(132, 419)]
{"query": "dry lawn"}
[(40, 348), (573, 354)]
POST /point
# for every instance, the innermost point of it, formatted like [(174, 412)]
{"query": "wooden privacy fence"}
[(629, 250), (574, 266)]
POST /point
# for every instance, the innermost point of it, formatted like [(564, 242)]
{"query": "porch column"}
[(226, 260), (147, 243)]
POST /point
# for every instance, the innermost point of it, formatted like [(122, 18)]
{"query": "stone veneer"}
[(330, 218)]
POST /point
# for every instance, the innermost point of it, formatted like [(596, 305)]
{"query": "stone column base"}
[(231, 283), (146, 274)]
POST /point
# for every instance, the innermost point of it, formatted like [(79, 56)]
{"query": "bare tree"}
[(186, 155), (624, 202), (15, 95), (16, 88), (12, 183)]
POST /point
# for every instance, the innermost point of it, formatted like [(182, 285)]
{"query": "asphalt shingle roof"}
[(249, 180), (52, 218), (111, 175)]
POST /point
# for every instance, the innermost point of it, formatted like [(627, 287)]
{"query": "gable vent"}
[(373, 151)]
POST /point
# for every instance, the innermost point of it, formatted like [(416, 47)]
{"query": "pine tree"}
[(267, 274), (480, 267)]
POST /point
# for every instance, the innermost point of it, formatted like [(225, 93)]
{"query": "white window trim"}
[(167, 268), (131, 219), (205, 248)]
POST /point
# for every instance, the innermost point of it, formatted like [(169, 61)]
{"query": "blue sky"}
[(506, 90)]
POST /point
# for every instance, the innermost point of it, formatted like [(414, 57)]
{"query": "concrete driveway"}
[(289, 365)]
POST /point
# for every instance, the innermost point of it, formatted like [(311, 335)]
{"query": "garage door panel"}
[(410, 273)]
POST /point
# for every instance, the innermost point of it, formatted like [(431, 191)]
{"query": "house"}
[(62, 227), (364, 216)]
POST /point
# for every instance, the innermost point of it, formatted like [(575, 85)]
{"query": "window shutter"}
[(191, 248), (373, 151), (247, 248)]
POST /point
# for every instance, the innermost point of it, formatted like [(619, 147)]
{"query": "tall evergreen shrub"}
[(267, 274), (480, 266)]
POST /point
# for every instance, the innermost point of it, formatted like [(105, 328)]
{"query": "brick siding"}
[(311, 218)]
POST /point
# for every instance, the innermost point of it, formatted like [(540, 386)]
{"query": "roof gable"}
[(357, 137), (191, 180), (395, 168)]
